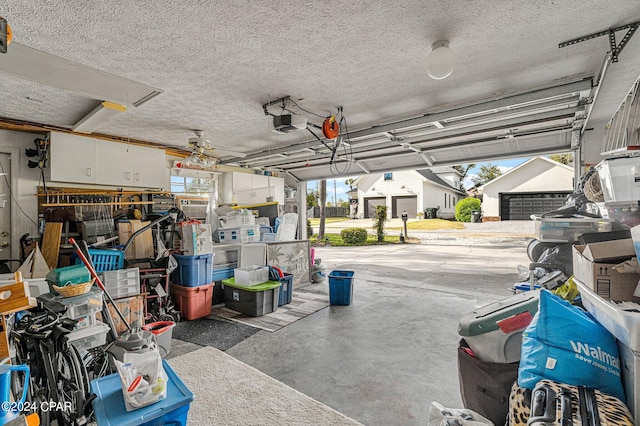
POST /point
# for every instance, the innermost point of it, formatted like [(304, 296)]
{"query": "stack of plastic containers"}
[(239, 227), (191, 285), (250, 292), (89, 332)]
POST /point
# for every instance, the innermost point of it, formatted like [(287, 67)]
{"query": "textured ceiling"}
[(218, 62)]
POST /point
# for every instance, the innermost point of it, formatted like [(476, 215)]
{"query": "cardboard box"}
[(593, 266), (196, 239)]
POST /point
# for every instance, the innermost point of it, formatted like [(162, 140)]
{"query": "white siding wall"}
[(537, 176), (434, 196), (411, 180), (452, 178)]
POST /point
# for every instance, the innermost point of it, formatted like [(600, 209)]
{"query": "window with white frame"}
[(191, 185)]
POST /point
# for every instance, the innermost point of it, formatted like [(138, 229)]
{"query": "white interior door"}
[(5, 207)]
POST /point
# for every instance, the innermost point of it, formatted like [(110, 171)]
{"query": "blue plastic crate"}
[(110, 410), (286, 289), (193, 271), (220, 274), (105, 260), (341, 287)]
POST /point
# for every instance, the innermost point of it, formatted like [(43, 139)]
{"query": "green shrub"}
[(464, 207), (355, 236), (379, 220)]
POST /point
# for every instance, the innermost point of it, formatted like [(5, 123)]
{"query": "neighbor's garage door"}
[(370, 205), (522, 206), (408, 204)]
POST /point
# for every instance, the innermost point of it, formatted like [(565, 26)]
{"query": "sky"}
[(341, 188)]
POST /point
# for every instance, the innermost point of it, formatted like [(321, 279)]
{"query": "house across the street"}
[(413, 191), (537, 186)]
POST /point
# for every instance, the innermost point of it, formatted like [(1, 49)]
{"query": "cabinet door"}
[(72, 158), (149, 167), (114, 164)]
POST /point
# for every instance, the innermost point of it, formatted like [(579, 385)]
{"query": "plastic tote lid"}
[(135, 339), (159, 327)]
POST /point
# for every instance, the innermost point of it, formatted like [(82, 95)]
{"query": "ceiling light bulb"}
[(441, 60)]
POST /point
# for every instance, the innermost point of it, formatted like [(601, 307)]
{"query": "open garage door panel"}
[(370, 205), (520, 206), (404, 203)]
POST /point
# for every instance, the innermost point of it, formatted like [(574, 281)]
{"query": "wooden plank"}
[(124, 233), (16, 297), (4, 340), (143, 244), (51, 243)]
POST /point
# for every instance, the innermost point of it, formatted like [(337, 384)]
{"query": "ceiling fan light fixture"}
[(441, 61)]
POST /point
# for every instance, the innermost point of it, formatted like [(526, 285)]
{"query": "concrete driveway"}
[(383, 359)]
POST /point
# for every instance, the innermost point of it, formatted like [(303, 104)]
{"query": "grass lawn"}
[(316, 221), (336, 241), (431, 225)]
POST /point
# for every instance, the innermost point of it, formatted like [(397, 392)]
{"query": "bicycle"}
[(59, 386)]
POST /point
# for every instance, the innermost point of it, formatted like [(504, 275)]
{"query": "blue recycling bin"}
[(341, 287)]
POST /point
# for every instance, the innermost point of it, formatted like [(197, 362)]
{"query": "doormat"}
[(216, 332), (304, 302)]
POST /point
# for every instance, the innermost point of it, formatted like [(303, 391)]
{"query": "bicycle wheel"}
[(72, 385), (37, 389)]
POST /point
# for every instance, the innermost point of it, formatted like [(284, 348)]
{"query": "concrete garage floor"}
[(383, 359)]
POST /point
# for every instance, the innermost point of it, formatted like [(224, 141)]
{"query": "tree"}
[(488, 172), (312, 199), (563, 158), (378, 222), (350, 182), (323, 203), (464, 171)]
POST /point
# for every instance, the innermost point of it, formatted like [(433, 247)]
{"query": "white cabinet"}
[(148, 167), (81, 159), (72, 158), (251, 188), (115, 163)]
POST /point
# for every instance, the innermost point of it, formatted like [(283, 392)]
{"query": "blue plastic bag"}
[(564, 344)]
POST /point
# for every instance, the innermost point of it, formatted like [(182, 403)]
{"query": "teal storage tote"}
[(192, 271), (74, 274), (255, 300), (341, 287), (110, 410)]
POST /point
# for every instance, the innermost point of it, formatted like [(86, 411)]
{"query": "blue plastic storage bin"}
[(286, 289), (341, 287), (220, 274), (105, 260), (110, 410), (193, 271)]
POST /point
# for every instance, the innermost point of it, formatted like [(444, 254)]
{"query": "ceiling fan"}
[(204, 147)]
